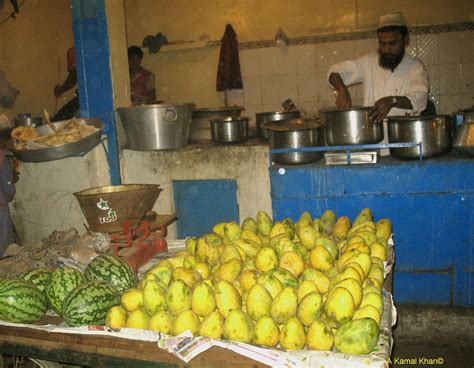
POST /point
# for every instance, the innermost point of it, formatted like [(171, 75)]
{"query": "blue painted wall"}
[(200, 204), (431, 206)]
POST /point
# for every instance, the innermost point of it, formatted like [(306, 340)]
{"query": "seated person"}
[(142, 81), (70, 109)]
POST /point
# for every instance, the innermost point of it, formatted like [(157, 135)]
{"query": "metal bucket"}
[(107, 208), (229, 129), (156, 127), (351, 126)]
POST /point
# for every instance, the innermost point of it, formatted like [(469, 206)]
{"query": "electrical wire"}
[(12, 15)]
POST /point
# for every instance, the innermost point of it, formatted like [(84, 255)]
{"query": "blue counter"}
[(430, 204)]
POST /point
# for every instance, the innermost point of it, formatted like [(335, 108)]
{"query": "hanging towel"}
[(228, 69)]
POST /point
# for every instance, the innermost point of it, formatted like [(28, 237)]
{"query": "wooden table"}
[(105, 351)]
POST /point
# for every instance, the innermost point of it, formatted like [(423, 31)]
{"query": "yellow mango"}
[(354, 287), (266, 332), (304, 219), (227, 297), (213, 325), (249, 247), (250, 224), (292, 336), (162, 273), (320, 279), (186, 320), (327, 222), (229, 270), (190, 244), (154, 297), (374, 299), (138, 319), (238, 327), (178, 297), (132, 299), (278, 228), (284, 305), (307, 235), (206, 250), (341, 228), (203, 300), (339, 306), (383, 229), (250, 235), (319, 336), (270, 282), (219, 229), (203, 269), (189, 276), (286, 277), (116, 317), (258, 302), (327, 243), (321, 259), (310, 308), (306, 287), (292, 262), (229, 252), (266, 259), (378, 249), (232, 230), (264, 223), (161, 321), (368, 311), (248, 278)]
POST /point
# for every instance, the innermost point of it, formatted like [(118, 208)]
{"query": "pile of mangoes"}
[(313, 283)]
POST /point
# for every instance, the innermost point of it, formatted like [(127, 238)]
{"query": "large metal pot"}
[(229, 129), (434, 133), (156, 127), (268, 117), (200, 127), (296, 133), (351, 126), (463, 140)]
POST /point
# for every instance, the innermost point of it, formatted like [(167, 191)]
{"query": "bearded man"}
[(394, 82)]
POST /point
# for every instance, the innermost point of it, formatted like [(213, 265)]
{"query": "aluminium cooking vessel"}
[(434, 133), (156, 127), (295, 133), (463, 140), (351, 126), (200, 127), (268, 117), (229, 129)]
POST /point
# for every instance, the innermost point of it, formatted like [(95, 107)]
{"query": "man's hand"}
[(343, 98), (381, 109), (58, 91)]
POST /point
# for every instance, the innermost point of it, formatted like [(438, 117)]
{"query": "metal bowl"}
[(434, 133), (351, 126), (107, 208), (463, 140), (66, 150), (229, 129)]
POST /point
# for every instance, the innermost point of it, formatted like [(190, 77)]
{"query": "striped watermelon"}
[(88, 303), (21, 302), (39, 276), (63, 280), (111, 269)]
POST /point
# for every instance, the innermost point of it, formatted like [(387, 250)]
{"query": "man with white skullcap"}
[(394, 82)]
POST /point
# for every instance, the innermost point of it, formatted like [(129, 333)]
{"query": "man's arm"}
[(343, 97), (383, 106), (68, 84)]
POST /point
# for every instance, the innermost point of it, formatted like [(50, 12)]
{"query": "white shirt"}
[(409, 79)]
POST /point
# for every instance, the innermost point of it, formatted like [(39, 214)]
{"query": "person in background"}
[(8, 96), (142, 81), (70, 109), (394, 82)]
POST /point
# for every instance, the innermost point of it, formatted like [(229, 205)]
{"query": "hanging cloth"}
[(228, 69)]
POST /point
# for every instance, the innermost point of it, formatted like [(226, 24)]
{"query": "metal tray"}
[(66, 150)]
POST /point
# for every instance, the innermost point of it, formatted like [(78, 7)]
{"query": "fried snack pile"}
[(27, 138)]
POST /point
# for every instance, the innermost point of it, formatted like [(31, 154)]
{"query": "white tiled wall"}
[(271, 75)]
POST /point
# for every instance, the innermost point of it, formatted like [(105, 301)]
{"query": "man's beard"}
[(389, 61)]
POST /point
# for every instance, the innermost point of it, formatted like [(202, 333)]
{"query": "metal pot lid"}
[(293, 125), (165, 105), (353, 108), (277, 112), (227, 119), (217, 109)]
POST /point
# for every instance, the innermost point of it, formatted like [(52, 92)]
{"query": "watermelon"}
[(63, 280), (21, 302), (39, 276), (111, 269), (89, 303)]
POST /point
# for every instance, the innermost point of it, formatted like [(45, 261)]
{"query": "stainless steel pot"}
[(268, 117), (156, 127), (229, 129), (434, 133), (351, 126), (463, 140), (200, 127), (296, 133)]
